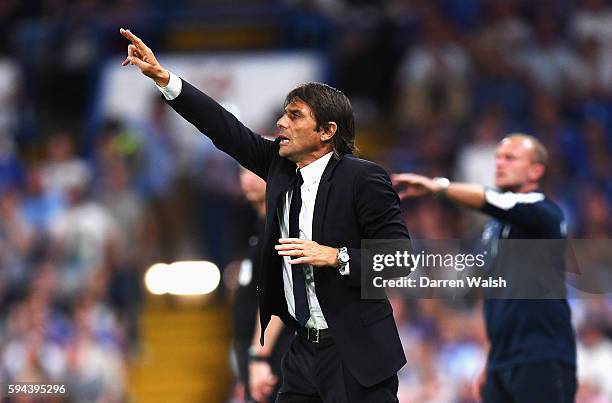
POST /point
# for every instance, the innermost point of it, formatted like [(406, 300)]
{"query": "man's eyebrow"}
[(289, 109)]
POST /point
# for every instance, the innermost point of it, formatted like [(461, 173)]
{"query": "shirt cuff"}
[(173, 89), (346, 270)]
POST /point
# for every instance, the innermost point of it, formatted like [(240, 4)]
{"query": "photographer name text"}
[(426, 282)]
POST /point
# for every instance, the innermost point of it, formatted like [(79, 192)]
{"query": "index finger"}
[(290, 240), (132, 38)]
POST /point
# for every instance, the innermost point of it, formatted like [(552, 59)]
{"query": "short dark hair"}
[(329, 105)]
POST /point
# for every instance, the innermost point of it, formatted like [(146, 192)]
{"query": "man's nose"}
[(281, 122)]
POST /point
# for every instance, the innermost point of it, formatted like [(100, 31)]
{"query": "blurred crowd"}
[(71, 252), (434, 84)]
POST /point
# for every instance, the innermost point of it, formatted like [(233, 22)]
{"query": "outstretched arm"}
[(227, 133), (525, 209), (465, 194)]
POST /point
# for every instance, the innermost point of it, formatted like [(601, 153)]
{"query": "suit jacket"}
[(355, 201)]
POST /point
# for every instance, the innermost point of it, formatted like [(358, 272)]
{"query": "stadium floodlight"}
[(183, 278), (155, 278)]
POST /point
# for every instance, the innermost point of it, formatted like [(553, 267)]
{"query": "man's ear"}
[(536, 172), (328, 131)]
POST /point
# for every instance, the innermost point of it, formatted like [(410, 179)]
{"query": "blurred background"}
[(100, 180)]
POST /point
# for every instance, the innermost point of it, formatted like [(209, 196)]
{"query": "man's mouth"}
[(283, 139)]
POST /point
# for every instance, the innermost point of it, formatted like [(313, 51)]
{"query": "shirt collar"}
[(313, 172)]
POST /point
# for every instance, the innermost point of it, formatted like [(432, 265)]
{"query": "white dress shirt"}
[(311, 174)]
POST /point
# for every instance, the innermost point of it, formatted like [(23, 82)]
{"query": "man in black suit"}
[(321, 201)]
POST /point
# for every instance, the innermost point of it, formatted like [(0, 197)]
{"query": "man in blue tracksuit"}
[(532, 355)]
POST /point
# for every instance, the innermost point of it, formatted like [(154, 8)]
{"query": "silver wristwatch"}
[(343, 257), (443, 183)]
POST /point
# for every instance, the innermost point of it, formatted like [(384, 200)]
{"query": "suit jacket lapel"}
[(276, 188), (270, 275), (320, 208)]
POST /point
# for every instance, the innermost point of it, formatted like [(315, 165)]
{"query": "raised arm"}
[(465, 194), (227, 133), (523, 209)]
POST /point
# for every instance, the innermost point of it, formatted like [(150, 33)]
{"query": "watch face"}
[(343, 257)]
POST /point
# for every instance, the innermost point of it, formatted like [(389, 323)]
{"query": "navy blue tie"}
[(302, 312)]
